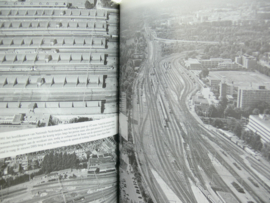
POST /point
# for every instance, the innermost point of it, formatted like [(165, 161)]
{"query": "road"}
[(171, 140)]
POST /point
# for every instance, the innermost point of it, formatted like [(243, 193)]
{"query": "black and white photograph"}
[(58, 103), (135, 101), (84, 172), (58, 62), (194, 101)]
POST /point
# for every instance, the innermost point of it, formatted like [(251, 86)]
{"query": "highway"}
[(170, 139)]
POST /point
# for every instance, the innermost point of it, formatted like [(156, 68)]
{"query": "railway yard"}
[(180, 158)]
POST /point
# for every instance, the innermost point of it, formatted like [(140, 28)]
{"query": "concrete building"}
[(228, 65), (193, 64), (248, 96), (260, 124), (225, 89), (249, 61), (214, 62), (246, 61), (200, 101), (214, 83), (123, 103)]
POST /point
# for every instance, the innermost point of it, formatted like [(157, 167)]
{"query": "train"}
[(224, 133), (97, 170), (238, 143)]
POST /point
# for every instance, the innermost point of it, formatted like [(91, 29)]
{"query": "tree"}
[(246, 111), (217, 123), (88, 5), (220, 110), (256, 142), (256, 111), (237, 113), (125, 85), (266, 150), (237, 129), (223, 102), (261, 105), (204, 73), (229, 111), (212, 111)]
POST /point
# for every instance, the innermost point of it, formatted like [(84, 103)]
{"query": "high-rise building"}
[(214, 83), (248, 96), (246, 61), (225, 89)]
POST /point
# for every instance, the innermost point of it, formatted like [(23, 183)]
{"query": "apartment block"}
[(248, 96)]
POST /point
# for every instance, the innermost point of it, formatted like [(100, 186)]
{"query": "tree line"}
[(224, 109), (58, 161)]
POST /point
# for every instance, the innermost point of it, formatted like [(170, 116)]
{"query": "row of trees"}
[(223, 110), (263, 69), (237, 128), (252, 139), (51, 162), (178, 47), (10, 181), (234, 39), (128, 70), (58, 161)]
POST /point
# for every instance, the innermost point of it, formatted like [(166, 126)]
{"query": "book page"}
[(195, 100), (58, 105)]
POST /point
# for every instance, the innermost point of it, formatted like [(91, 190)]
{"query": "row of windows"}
[(52, 24), (33, 3), (45, 58), (53, 13), (68, 41), (49, 104), (38, 80)]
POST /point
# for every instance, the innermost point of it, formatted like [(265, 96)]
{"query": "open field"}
[(241, 78)]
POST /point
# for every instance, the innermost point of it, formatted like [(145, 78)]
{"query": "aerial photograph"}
[(77, 173), (58, 62), (58, 68), (195, 101)]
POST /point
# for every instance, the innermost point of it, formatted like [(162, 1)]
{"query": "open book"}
[(149, 101)]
